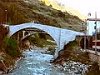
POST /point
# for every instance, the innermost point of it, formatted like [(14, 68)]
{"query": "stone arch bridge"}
[(60, 36)]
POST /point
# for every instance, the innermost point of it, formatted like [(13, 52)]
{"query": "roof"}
[(93, 19)]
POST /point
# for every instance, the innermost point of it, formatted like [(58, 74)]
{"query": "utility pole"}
[(56, 51), (59, 36), (95, 32), (85, 37)]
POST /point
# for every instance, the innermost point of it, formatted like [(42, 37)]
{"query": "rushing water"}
[(37, 63)]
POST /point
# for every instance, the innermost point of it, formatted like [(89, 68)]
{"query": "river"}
[(36, 62)]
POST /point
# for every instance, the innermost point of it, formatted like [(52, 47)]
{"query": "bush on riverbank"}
[(3, 34), (11, 47), (9, 50), (8, 45), (5, 59)]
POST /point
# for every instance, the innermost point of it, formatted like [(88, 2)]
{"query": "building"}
[(90, 40)]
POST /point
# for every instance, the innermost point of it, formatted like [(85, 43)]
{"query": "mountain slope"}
[(34, 10), (56, 4)]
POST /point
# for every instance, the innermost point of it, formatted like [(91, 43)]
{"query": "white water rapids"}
[(38, 63)]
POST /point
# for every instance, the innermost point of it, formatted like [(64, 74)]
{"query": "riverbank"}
[(73, 53), (8, 64), (69, 66), (70, 61), (36, 62)]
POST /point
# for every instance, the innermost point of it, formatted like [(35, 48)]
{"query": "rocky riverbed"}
[(36, 62)]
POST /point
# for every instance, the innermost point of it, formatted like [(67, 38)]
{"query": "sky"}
[(83, 6)]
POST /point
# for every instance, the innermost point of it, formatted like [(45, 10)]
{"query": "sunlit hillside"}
[(58, 6), (54, 4)]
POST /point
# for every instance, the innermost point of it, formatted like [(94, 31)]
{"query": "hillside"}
[(58, 4), (33, 10)]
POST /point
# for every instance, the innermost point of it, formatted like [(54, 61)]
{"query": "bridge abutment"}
[(56, 53)]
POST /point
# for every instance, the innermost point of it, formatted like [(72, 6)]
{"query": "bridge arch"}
[(35, 32), (60, 36), (48, 29)]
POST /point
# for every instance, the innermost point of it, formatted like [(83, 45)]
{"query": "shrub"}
[(11, 47), (3, 34)]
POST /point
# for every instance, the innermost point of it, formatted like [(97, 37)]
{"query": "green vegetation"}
[(3, 33), (40, 40), (8, 45), (11, 47)]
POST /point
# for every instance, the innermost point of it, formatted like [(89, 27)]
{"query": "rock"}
[(1, 72), (73, 67)]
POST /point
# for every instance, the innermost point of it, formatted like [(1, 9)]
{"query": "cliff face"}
[(16, 12)]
